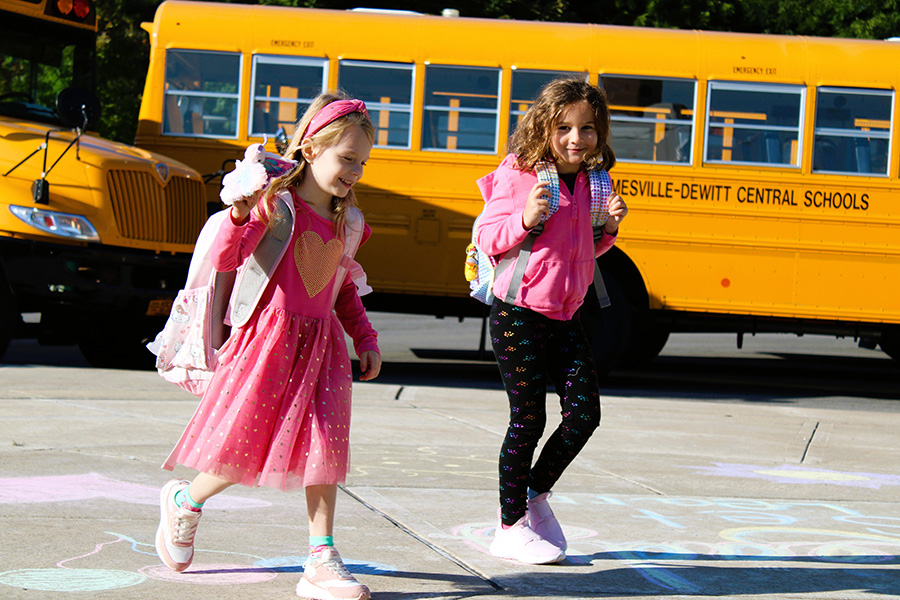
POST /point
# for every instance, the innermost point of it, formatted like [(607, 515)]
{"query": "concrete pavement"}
[(674, 497)]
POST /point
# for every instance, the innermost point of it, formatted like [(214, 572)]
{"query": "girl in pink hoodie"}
[(539, 337)]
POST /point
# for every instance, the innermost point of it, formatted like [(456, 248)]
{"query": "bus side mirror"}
[(40, 190), (78, 108)]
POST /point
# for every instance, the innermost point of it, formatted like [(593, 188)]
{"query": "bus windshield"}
[(37, 62)]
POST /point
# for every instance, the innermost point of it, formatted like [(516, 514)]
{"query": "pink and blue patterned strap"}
[(546, 173), (601, 190)]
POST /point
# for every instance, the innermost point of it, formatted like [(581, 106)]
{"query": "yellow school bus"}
[(761, 171), (95, 235)]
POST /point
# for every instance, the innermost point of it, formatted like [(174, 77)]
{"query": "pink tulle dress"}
[(277, 410)]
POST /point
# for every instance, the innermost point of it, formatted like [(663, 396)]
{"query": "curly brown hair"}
[(531, 140), (327, 136)]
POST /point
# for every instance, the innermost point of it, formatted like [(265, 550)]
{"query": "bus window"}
[(754, 123), (651, 118), (283, 87), (387, 90), (201, 93), (526, 85), (461, 111), (853, 131)]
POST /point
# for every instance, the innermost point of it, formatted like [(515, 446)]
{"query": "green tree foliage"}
[(123, 46), (867, 19), (123, 52)]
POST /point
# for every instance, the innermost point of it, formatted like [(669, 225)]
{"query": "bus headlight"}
[(64, 225)]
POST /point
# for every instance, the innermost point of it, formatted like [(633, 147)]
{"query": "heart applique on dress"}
[(316, 260)]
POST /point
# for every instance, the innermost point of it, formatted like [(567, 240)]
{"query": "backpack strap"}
[(258, 270), (520, 253), (353, 232), (546, 173), (201, 273), (601, 190)]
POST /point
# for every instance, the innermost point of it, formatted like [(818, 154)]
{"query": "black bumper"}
[(53, 277)]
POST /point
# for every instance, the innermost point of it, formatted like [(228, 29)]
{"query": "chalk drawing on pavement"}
[(68, 579), (294, 564), (254, 569), (262, 570), (739, 530), (798, 475), (211, 574), (89, 486)]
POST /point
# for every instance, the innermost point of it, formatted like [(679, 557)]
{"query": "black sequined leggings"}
[(530, 349)]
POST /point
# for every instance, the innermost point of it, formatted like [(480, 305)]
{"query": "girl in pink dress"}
[(277, 410)]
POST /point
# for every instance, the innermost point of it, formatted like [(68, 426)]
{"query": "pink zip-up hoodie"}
[(561, 267)]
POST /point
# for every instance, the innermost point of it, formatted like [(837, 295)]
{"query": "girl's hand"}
[(240, 210), (617, 212), (370, 365), (537, 205)]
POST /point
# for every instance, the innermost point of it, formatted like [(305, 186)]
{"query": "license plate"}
[(160, 307)]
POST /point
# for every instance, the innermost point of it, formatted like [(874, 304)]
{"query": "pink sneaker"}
[(326, 578), (177, 526), (543, 521), (521, 543)]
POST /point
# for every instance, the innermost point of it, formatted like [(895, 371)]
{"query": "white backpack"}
[(200, 319), (186, 347)]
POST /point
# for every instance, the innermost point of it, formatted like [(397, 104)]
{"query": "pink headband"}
[(331, 112)]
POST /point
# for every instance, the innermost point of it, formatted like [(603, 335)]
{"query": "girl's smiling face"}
[(337, 168), (573, 137)]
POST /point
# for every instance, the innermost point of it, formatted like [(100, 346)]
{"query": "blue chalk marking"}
[(294, 564)]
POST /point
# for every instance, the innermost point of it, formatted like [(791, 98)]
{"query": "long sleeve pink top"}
[(561, 266), (303, 281)]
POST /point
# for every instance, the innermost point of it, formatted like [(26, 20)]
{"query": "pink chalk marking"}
[(211, 574), (70, 488)]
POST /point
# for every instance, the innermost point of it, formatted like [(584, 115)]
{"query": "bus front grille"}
[(147, 211)]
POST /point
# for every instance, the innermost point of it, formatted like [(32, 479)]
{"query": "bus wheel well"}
[(9, 315), (646, 338), (618, 265), (890, 341)]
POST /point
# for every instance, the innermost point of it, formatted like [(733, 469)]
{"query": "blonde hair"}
[(531, 140), (326, 137)]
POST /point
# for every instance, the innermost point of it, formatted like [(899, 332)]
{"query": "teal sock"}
[(184, 497), (320, 540)]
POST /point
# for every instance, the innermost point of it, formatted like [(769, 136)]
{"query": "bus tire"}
[(121, 343), (608, 329), (890, 341), (647, 341), (9, 315)]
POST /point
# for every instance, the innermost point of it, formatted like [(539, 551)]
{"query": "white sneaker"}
[(326, 578), (542, 520), (521, 543), (177, 526)]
